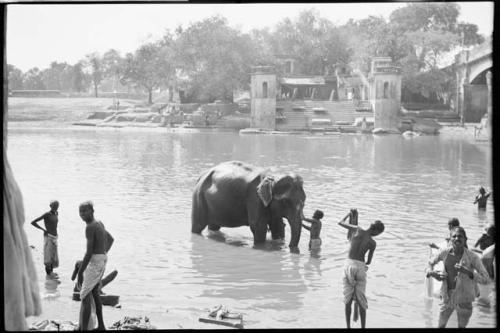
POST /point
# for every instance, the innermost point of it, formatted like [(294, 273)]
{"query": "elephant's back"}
[(236, 172)]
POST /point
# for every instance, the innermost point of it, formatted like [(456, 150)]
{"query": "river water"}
[(141, 181)]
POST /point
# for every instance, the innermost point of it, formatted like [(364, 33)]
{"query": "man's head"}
[(87, 211), (482, 190), (453, 223), (490, 230), (54, 204), (458, 238), (376, 228), (318, 215)]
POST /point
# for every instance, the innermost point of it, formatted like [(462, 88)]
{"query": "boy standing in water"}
[(452, 223), (482, 198), (354, 280), (314, 229), (99, 242), (50, 255)]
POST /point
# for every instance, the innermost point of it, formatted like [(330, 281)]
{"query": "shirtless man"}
[(482, 198), (99, 242), (462, 271), (50, 255), (354, 280), (314, 229)]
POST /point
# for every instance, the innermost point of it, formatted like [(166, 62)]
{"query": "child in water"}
[(482, 198), (487, 238), (452, 223), (314, 229)]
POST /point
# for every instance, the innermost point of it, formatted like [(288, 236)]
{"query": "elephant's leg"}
[(277, 228), (213, 227), (259, 235), (198, 215)]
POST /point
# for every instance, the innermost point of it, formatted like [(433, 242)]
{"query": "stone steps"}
[(299, 115)]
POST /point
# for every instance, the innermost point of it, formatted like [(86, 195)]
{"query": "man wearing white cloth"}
[(354, 279), (99, 242)]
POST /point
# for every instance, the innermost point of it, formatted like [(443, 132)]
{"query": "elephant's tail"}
[(199, 206)]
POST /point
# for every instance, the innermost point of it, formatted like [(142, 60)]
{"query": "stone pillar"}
[(385, 94), (489, 107), (263, 98)]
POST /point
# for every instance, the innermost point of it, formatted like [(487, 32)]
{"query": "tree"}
[(78, 77), (112, 65), (32, 79), (15, 78), (149, 67), (314, 41), (428, 32), (93, 65), (213, 58)]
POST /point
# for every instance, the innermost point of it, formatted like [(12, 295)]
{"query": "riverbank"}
[(64, 309)]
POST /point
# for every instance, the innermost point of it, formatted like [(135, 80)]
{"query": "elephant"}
[(233, 194)]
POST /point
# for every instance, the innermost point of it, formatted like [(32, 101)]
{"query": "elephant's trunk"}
[(296, 227)]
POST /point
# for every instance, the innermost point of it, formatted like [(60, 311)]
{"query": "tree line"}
[(209, 59)]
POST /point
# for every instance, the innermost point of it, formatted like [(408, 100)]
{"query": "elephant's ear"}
[(265, 190)]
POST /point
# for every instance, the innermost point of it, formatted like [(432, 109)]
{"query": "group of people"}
[(354, 273), (90, 270), (463, 268)]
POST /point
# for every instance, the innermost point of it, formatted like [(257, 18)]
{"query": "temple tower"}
[(263, 97), (385, 93)]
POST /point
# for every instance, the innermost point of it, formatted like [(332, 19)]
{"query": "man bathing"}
[(462, 271), (314, 229), (50, 254), (354, 280), (99, 242), (482, 198)]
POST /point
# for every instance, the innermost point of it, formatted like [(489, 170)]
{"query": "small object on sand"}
[(220, 315), (133, 323), (54, 325)]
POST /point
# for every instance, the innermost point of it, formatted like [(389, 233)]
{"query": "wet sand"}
[(62, 308)]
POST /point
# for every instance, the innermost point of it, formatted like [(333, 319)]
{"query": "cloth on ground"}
[(91, 277), (21, 290), (133, 323), (354, 282), (50, 255)]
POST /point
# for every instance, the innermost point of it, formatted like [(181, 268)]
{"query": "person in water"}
[(90, 273), (482, 198), (452, 223), (485, 245), (462, 271), (50, 253), (354, 279), (314, 229)]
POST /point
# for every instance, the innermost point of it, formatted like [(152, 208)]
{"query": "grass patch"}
[(57, 109)]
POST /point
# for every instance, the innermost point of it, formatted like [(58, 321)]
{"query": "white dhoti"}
[(91, 277), (354, 282), (50, 255)]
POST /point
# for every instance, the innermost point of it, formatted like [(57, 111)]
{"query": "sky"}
[(38, 34)]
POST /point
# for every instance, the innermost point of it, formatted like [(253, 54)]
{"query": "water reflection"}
[(51, 291), (145, 180), (268, 278)]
